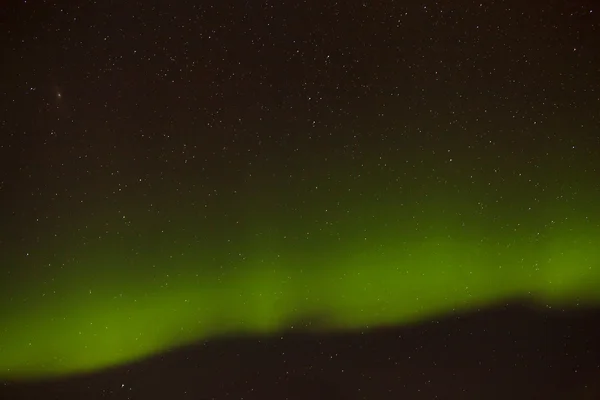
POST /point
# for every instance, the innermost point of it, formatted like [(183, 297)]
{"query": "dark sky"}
[(182, 151)]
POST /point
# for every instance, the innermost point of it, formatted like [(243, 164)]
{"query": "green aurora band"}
[(93, 321)]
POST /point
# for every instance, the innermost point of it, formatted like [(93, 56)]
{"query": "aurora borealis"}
[(113, 313), (180, 175)]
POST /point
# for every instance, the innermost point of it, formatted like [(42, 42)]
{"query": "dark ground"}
[(507, 352)]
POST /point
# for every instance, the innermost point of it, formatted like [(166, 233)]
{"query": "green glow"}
[(90, 321)]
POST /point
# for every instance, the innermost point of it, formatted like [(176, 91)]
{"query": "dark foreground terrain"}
[(509, 352)]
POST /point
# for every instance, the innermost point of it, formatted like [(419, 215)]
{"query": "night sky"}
[(300, 200)]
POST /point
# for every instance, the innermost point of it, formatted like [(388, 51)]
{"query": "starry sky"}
[(291, 200)]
